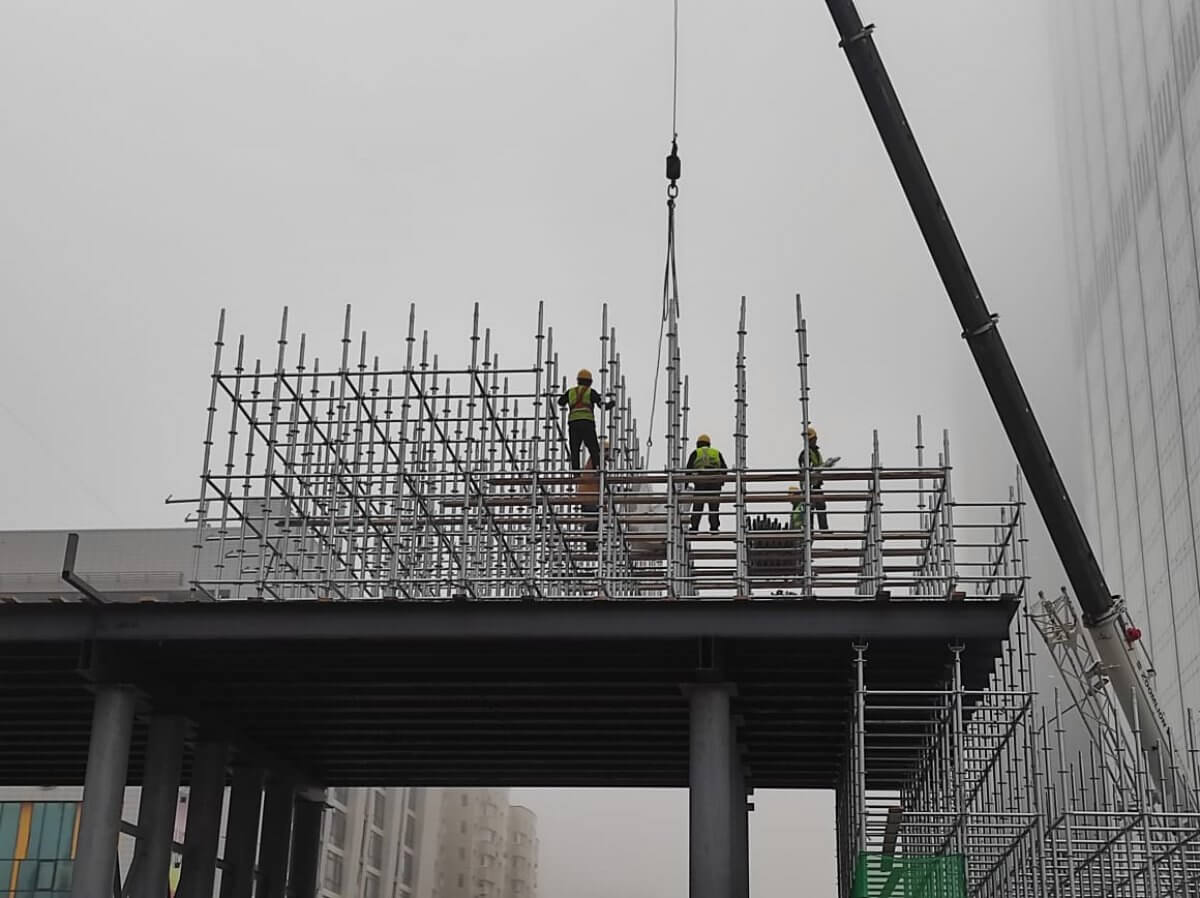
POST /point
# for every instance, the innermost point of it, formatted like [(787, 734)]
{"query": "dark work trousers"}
[(706, 494), (592, 526), (818, 504), (580, 433)]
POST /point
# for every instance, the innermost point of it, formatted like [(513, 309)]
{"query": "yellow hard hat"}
[(812, 433), (703, 440), (584, 375)]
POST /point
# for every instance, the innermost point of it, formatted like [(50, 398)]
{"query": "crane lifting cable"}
[(670, 301)]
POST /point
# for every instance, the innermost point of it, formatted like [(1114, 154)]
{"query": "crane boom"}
[(978, 324), (1103, 613)]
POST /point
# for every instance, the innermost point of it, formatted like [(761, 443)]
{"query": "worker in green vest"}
[(816, 464), (581, 401), (710, 467), (799, 516)]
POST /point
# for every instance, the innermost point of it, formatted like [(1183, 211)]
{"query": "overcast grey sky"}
[(159, 160)]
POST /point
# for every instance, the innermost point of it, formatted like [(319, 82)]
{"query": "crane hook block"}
[(674, 168)]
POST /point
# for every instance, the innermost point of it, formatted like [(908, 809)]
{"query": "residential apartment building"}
[(371, 843), (486, 847), (521, 871), (1129, 109)]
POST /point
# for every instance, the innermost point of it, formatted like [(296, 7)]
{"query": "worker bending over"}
[(581, 400), (815, 464), (710, 467), (799, 517)]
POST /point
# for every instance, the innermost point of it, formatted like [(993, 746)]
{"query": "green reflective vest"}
[(707, 457), (799, 517), (579, 401), (815, 463)]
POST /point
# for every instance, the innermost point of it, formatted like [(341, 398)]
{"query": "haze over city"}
[(163, 161)]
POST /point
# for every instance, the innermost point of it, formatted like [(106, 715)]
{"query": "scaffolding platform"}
[(422, 481)]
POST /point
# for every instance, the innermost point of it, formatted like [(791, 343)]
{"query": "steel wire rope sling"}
[(670, 299)]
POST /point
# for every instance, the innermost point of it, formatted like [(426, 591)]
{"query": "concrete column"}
[(740, 824), (306, 848), (103, 792), (241, 833), (151, 863), (710, 799), (206, 800), (276, 842)]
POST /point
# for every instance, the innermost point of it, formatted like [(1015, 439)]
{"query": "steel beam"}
[(206, 801), (241, 832), (709, 794), (151, 863), (103, 791), (488, 621)]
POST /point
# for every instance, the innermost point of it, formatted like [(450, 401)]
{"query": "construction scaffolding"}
[(1012, 784), (422, 481)]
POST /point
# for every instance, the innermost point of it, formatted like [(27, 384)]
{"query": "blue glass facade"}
[(37, 844)]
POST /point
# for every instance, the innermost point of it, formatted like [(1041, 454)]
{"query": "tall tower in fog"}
[(1129, 111)]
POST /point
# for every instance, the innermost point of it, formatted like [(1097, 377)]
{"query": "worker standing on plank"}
[(581, 400), (815, 464), (710, 465)]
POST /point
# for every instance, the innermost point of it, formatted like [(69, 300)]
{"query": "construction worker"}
[(815, 464), (799, 517), (582, 400), (587, 490), (711, 467)]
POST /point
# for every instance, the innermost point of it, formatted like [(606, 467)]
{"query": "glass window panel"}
[(10, 815)]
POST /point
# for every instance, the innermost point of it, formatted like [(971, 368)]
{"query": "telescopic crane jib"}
[(1103, 613)]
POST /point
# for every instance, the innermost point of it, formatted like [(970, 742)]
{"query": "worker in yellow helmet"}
[(816, 463), (581, 400), (710, 467)]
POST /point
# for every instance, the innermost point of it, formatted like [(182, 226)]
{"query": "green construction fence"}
[(883, 876)]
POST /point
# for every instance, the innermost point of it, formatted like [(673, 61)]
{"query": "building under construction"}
[(397, 580), (394, 583)]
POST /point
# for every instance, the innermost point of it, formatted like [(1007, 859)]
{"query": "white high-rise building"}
[(1129, 108), (485, 847), (371, 843)]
